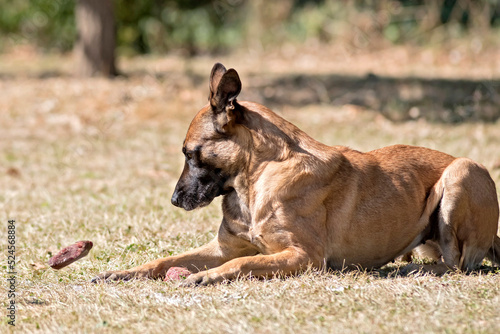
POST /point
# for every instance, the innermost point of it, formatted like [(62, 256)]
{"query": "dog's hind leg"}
[(468, 214), (494, 252), (467, 218)]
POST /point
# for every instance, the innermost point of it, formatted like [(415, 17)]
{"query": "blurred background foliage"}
[(210, 26)]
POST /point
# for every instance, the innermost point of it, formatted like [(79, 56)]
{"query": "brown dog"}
[(290, 202)]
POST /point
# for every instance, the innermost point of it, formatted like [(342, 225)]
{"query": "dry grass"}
[(98, 160)]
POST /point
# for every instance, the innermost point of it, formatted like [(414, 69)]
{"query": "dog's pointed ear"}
[(223, 98), (217, 72), (228, 88)]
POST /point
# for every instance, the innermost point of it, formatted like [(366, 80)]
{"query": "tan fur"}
[(293, 202)]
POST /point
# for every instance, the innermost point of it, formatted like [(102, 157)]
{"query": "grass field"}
[(98, 160)]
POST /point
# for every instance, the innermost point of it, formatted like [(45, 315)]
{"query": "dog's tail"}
[(494, 252)]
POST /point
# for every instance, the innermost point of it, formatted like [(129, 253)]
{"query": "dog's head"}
[(213, 147)]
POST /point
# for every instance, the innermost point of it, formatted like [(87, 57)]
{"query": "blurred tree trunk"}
[(95, 47), (480, 15)]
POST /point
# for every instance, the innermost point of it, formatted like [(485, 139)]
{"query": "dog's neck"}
[(276, 139), (271, 141)]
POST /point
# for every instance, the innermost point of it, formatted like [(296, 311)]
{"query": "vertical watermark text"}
[(11, 272)]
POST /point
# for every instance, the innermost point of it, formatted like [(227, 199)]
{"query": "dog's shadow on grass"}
[(399, 99), (403, 269)]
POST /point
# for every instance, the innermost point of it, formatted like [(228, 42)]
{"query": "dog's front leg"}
[(220, 250), (289, 261)]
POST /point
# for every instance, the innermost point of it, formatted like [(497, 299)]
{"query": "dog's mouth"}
[(197, 199), (189, 203), (226, 191), (189, 206)]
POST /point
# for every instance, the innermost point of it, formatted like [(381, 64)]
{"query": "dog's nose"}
[(175, 198)]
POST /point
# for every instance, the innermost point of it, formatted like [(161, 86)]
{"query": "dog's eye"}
[(193, 155)]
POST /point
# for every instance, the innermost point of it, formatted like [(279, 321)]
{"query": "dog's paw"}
[(411, 269), (119, 275), (202, 278)]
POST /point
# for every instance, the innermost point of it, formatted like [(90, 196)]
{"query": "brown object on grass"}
[(177, 273), (70, 254)]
